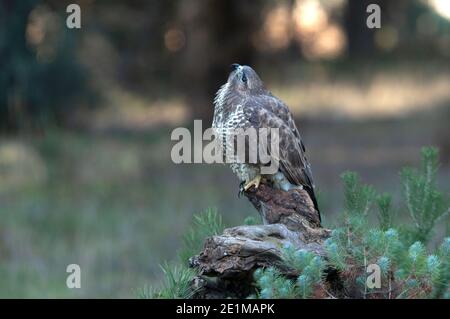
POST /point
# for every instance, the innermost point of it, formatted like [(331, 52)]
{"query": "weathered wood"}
[(245, 248), (227, 261), (294, 208)]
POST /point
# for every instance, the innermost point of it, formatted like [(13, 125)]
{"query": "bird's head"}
[(244, 79)]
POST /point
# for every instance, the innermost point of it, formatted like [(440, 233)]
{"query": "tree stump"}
[(227, 261)]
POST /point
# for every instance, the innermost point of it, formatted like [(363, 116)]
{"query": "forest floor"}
[(112, 201)]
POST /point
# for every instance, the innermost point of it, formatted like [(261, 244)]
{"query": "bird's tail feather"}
[(311, 194)]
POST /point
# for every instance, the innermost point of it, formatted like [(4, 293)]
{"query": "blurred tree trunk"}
[(218, 33), (14, 53), (360, 37)]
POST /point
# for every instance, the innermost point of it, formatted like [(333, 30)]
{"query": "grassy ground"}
[(114, 203), (117, 206)]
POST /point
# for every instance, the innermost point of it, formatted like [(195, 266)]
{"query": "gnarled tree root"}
[(227, 261)]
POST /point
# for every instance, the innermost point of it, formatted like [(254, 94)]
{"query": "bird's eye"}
[(244, 78)]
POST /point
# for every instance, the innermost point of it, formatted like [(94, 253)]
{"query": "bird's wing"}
[(291, 157)]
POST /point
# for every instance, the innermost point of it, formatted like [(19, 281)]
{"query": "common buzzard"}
[(243, 102)]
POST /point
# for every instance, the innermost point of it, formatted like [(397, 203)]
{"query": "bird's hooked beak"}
[(238, 70), (234, 67)]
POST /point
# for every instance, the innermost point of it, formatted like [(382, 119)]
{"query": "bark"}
[(227, 261)]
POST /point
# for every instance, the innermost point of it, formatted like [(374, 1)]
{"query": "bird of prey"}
[(244, 102)]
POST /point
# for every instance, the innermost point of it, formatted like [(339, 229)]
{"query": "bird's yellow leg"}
[(254, 182)]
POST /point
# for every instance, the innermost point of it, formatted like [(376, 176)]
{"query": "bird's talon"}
[(254, 182)]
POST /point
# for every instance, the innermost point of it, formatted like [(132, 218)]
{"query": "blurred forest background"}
[(86, 115)]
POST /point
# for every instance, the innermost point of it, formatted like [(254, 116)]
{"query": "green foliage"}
[(358, 198), (439, 269), (146, 292), (204, 225), (177, 282), (407, 269), (178, 279), (385, 213), (250, 220), (336, 255), (425, 203), (272, 284)]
